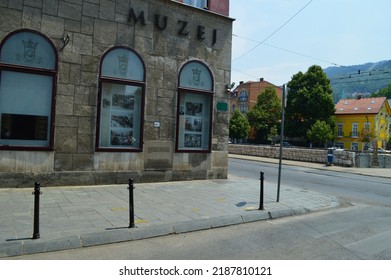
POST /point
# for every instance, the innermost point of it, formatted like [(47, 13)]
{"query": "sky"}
[(276, 39)]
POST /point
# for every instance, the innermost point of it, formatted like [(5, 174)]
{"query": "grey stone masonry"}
[(165, 45), (340, 157)]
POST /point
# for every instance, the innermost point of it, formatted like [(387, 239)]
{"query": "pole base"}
[(36, 236)]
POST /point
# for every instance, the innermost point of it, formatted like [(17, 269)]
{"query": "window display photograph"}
[(195, 99), (120, 116), (194, 122)]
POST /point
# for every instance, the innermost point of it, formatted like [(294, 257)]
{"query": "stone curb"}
[(29, 246)]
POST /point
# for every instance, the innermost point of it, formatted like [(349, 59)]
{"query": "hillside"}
[(364, 79)]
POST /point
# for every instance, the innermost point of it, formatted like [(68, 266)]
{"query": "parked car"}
[(284, 144), (287, 145), (379, 150)]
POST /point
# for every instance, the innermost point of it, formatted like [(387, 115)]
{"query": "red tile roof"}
[(359, 106)]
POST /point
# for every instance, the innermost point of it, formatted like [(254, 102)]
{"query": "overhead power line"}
[(290, 51), (278, 29), (357, 70)]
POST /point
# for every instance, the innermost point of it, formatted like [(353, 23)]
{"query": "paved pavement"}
[(75, 217)]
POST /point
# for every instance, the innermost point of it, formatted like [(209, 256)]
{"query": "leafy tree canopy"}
[(320, 132), (385, 92), (239, 126), (266, 114), (309, 99)]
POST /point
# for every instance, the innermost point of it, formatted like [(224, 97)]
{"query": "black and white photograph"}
[(181, 110), (122, 119), (106, 102), (192, 140), (121, 137), (125, 101), (189, 124), (197, 125), (193, 124), (193, 109)]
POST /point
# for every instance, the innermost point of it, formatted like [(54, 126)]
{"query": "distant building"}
[(244, 97), (362, 122)]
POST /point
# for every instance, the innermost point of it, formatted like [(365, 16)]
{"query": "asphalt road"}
[(347, 186)]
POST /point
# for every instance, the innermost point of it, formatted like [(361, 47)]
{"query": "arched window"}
[(243, 101), (121, 101), (28, 70), (194, 114)]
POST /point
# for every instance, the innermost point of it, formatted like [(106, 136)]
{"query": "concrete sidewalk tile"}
[(299, 210), (105, 237), (279, 213), (223, 221), (49, 245), (151, 231), (11, 248), (73, 217), (195, 225), (254, 216)]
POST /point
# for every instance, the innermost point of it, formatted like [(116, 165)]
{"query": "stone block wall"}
[(341, 158), (93, 27)]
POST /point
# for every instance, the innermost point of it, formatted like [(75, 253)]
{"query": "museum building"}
[(100, 91)]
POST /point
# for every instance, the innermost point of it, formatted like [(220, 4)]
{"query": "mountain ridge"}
[(363, 79)]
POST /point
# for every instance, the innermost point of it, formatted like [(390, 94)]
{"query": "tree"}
[(266, 114), (309, 99), (385, 92), (366, 136), (239, 126), (320, 132)]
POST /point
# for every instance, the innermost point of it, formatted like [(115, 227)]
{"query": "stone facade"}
[(340, 157), (93, 27)]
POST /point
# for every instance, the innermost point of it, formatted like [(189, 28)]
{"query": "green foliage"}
[(384, 92), (309, 99), (320, 132), (266, 114), (346, 81), (366, 135), (239, 126)]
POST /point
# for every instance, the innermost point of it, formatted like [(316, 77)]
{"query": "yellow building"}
[(363, 123)]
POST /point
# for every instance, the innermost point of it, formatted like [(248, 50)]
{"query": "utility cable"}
[(278, 29)]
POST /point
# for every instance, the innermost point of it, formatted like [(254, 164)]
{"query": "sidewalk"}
[(75, 217)]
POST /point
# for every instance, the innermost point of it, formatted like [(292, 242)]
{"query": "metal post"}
[(284, 92), (131, 204), (261, 193), (37, 192)]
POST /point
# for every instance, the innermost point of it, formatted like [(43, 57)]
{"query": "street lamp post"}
[(284, 92)]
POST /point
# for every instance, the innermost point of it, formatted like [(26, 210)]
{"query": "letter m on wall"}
[(135, 19)]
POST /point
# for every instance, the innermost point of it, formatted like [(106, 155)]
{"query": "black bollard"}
[(131, 204), (261, 193), (37, 192)]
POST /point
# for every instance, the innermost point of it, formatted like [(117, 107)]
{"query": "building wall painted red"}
[(219, 6), (253, 89)]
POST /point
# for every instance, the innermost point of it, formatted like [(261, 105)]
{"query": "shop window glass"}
[(27, 77), (195, 98), (121, 101)]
